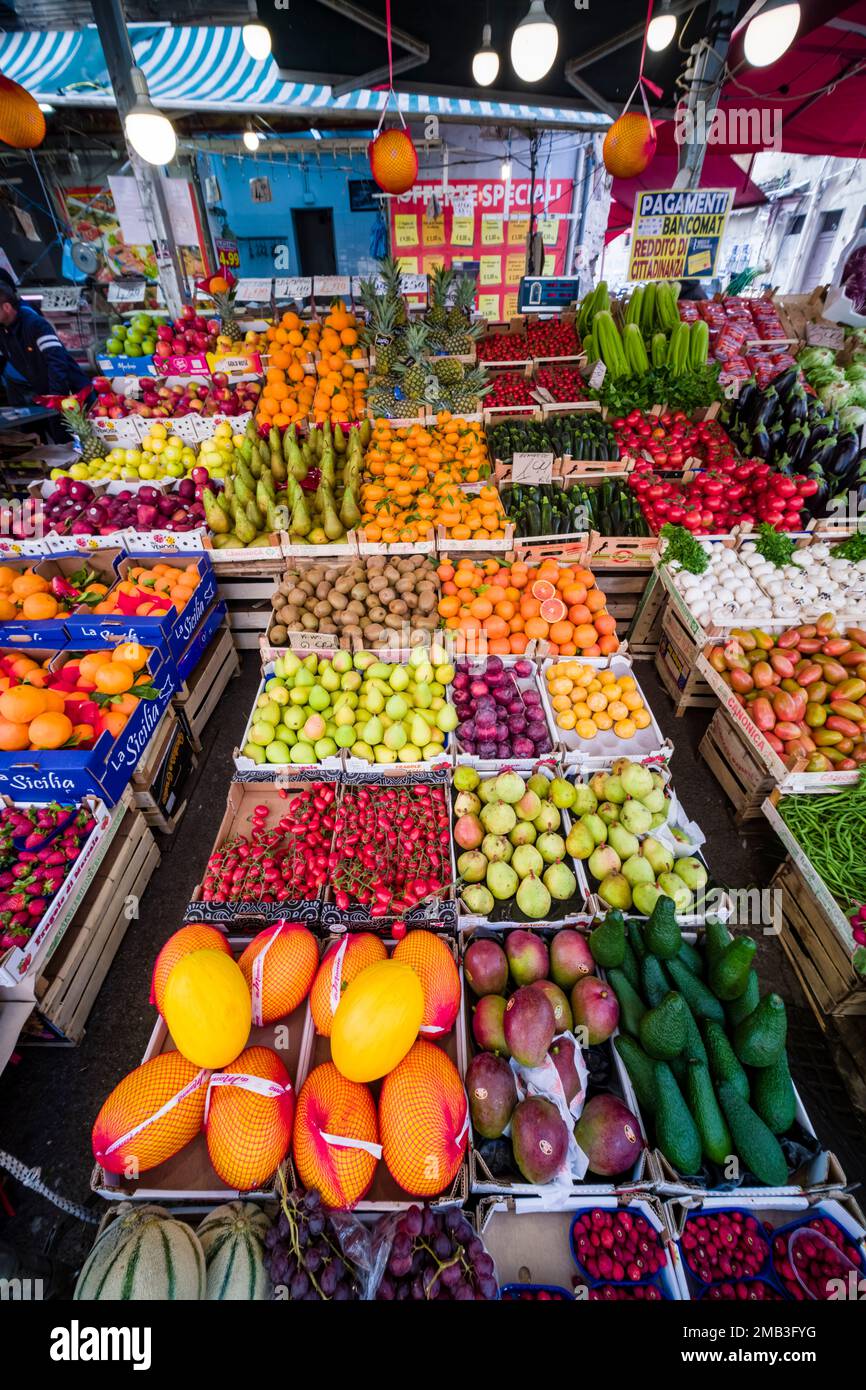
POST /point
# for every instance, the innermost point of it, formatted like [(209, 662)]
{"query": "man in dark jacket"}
[(31, 347)]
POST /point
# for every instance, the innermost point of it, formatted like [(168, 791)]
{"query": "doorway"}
[(819, 266), (314, 238)]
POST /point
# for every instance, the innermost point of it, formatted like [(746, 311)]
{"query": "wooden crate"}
[(847, 1040), (200, 693), (74, 974), (622, 587), (819, 958), (248, 602), (646, 625), (158, 788), (738, 769), (676, 663)]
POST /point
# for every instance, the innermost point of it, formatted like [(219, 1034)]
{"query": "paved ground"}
[(49, 1098)]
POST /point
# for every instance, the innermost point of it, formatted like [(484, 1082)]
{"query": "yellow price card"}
[(699, 263), (549, 228), (462, 231), (518, 231), (509, 306), (433, 230), (405, 229), (490, 270), (515, 268), (488, 306), (549, 265), (491, 231), (432, 263), (408, 264)]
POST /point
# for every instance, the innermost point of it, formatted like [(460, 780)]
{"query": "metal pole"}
[(705, 88), (119, 58)]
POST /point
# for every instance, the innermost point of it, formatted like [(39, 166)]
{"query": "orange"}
[(21, 704), (29, 583), (584, 636), (131, 654), (50, 730), (114, 723), (114, 678), (39, 607), (13, 737), (595, 600), (90, 664)]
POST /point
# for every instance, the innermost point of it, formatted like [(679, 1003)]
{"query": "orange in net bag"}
[(279, 965), (433, 963), (150, 1115), (248, 1120), (423, 1121), (336, 1138), (342, 962), (196, 937)]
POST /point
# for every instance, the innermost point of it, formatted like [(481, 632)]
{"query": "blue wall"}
[(258, 227)]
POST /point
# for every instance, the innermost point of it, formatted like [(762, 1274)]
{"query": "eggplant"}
[(787, 382), (818, 434), (760, 446), (847, 450), (823, 455), (796, 408)]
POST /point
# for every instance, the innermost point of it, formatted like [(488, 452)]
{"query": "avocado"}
[(760, 1039), (694, 1048), (738, 1009), (773, 1096), (716, 938), (636, 941), (715, 1135), (700, 1000), (607, 942), (630, 966), (662, 934), (676, 1132), (729, 971), (631, 1006), (756, 1145), (662, 1030), (691, 959), (641, 1071), (654, 986), (722, 1059)]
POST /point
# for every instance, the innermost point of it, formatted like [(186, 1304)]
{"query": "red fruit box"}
[(19, 965)]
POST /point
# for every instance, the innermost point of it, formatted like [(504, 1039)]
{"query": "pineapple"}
[(413, 374), (77, 423), (448, 371), (460, 314), (467, 396), (381, 330), (225, 307), (391, 273), (441, 282)]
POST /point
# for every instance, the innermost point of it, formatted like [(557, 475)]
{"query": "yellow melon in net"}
[(207, 1008), (289, 955), (331, 1109), (196, 937), (150, 1115), (377, 1020), (423, 1121), (249, 1133), (431, 959), (341, 964)]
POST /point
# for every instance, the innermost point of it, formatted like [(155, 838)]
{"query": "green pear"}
[(622, 840)]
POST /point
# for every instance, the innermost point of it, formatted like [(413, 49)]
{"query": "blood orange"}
[(553, 610), (542, 589)]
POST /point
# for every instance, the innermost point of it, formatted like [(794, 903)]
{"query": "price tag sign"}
[(326, 285), (227, 251), (413, 284), (312, 641), (293, 287), (128, 366), (57, 298), (532, 468), (194, 365), (819, 335), (254, 291), (125, 292), (239, 365), (543, 396), (599, 372)]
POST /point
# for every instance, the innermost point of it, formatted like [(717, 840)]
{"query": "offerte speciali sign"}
[(488, 195)]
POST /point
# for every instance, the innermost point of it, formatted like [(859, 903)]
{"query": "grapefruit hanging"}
[(629, 145), (393, 161), (22, 124)]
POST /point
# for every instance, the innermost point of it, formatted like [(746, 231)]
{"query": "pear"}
[(597, 828), (637, 781), (496, 848), (608, 812), (533, 898), (614, 790), (635, 817), (636, 869), (527, 860), (372, 731), (585, 800), (548, 818), (604, 861), (467, 803), (660, 858), (646, 895), (562, 793), (692, 872), (615, 891), (655, 800), (597, 783), (622, 840), (529, 806), (580, 842), (673, 887)]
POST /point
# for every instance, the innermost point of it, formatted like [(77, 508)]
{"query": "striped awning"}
[(208, 69)]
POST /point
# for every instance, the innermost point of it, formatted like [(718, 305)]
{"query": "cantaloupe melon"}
[(342, 962), (198, 936), (143, 1255), (233, 1240), (431, 959), (279, 966), (150, 1115), (248, 1131), (377, 1020), (423, 1121), (207, 1008), (330, 1109)]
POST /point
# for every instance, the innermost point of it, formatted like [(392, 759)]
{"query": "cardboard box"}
[(104, 770), (55, 632), (172, 631), (159, 781), (193, 653)]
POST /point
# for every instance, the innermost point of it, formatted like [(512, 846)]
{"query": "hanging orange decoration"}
[(393, 161), (22, 124), (629, 145)]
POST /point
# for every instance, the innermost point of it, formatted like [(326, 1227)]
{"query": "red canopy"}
[(719, 171)]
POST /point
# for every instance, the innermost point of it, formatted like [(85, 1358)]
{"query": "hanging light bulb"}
[(534, 43), (251, 140), (506, 170), (150, 133), (257, 41), (771, 33), (485, 64), (46, 107), (661, 29)]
